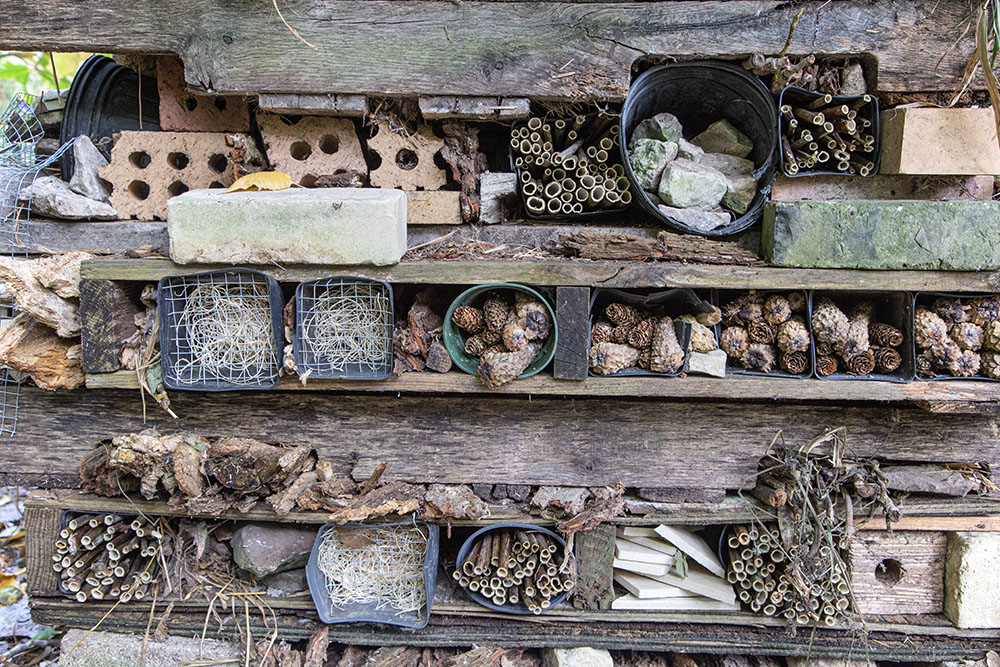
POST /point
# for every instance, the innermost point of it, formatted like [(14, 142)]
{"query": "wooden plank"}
[(952, 397), (901, 572), (493, 439), (463, 107), (596, 274), (113, 237), (595, 551), (314, 105), (553, 50), (108, 312), (936, 523), (41, 528), (433, 207), (573, 324)]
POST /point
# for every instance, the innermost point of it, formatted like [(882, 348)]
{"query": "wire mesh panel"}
[(20, 130), (220, 330), (381, 574), (343, 329), (15, 199)]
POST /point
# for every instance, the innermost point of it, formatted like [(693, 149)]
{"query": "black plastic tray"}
[(919, 298), (723, 297)]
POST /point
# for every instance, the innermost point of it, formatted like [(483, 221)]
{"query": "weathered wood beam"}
[(553, 50), (473, 108), (573, 319), (314, 105)]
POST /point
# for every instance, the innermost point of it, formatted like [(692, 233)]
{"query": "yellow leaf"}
[(262, 180)]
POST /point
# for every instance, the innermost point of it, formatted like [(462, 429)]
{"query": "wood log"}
[(41, 287), (898, 573), (35, 349)]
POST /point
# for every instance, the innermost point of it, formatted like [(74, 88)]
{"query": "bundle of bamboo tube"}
[(828, 136), (570, 166), (107, 556), (514, 566), (759, 568)]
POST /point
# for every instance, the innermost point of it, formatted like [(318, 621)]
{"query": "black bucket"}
[(699, 94)]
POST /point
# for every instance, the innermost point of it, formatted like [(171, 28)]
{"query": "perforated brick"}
[(184, 111), (407, 161), (307, 147), (147, 168)]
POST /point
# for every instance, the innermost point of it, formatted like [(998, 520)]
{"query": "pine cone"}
[(826, 365), (926, 364), (793, 336), (666, 355), (640, 334), (532, 316), (966, 365), (887, 360), (743, 309), (795, 363), (620, 334), (601, 332), (710, 319), (475, 345), (644, 357), (468, 318), (777, 310), (991, 336), (952, 311), (862, 363), (797, 301), (824, 349), (829, 323), (760, 357), (885, 335), (984, 310), (760, 332), (990, 364), (702, 338), (609, 358), (730, 311), (856, 341), (622, 314), (751, 312), (499, 368), (490, 337), (945, 353), (928, 328), (495, 312), (734, 342), (969, 336)]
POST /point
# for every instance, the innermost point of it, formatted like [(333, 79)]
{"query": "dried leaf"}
[(262, 180), (354, 538)]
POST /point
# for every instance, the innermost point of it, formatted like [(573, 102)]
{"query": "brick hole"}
[(178, 160), (139, 189), (220, 103), (308, 181), (889, 572), (440, 162), (215, 184), (406, 159), (191, 103), (329, 144), (218, 163), (374, 160), (300, 150), (177, 188), (290, 120), (140, 159)]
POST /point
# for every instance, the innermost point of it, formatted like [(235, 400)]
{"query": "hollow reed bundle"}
[(827, 135), (570, 166), (107, 556), (382, 567), (514, 566), (347, 324)]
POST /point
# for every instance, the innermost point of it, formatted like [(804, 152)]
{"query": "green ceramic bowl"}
[(454, 337)]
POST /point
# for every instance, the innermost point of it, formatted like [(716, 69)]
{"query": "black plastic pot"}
[(699, 94), (104, 99)]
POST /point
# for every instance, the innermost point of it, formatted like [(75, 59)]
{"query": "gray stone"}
[(730, 165), (706, 363), (687, 184), (296, 226), (108, 649), (15, 620), (576, 657), (722, 137), (286, 583), (689, 151), (86, 161), (263, 549), (740, 191), (662, 127), (971, 584), (852, 81), (698, 220), (52, 198), (863, 234), (648, 158)]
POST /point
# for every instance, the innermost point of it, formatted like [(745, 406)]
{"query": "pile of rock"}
[(700, 183)]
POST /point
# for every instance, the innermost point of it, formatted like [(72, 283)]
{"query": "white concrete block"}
[(971, 583)]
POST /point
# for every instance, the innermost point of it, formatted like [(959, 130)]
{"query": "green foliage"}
[(31, 72)]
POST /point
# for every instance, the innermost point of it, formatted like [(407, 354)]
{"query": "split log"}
[(35, 287), (35, 349)]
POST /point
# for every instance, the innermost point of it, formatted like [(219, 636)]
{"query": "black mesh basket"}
[(220, 330), (343, 328)]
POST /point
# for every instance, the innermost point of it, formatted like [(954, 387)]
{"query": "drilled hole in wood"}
[(300, 150), (220, 103), (889, 572), (177, 160), (140, 159), (191, 103), (218, 163), (177, 188), (406, 159), (329, 144), (139, 189)]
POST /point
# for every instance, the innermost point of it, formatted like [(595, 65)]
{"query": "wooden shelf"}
[(584, 273), (941, 396)]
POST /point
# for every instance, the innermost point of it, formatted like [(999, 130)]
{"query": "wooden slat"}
[(938, 523), (554, 50), (314, 105), (102, 237), (473, 108), (108, 312), (573, 319), (596, 274), (492, 439), (953, 397)]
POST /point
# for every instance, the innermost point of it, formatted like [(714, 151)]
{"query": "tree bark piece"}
[(595, 552), (35, 349), (37, 287), (665, 247)]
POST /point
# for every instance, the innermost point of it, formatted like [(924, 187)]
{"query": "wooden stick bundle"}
[(825, 135), (512, 566)]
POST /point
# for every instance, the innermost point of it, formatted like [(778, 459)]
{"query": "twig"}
[(290, 28)]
